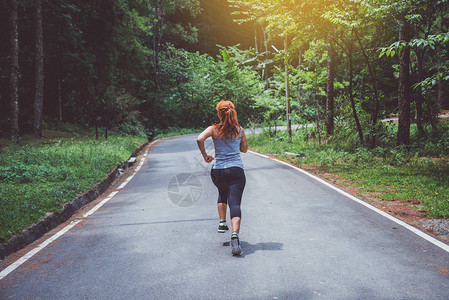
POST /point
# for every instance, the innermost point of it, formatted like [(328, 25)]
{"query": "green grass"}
[(388, 173), (40, 176)]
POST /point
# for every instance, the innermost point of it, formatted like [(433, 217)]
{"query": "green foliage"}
[(194, 83), (131, 127), (225, 55), (38, 178)]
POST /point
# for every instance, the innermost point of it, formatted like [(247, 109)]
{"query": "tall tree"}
[(357, 17), (11, 5), (166, 30), (429, 17), (330, 88), (351, 86), (287, 89), (102, 42), (403, 134), (39, 70)]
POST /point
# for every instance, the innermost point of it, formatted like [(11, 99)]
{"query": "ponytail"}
[(229, 125)]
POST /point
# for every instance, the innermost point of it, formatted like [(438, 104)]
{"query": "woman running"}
[(227, 173)]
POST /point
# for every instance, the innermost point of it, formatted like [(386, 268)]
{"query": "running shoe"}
[(235, 243), (223, 227)]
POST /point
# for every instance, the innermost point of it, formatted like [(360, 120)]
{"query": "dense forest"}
[(143, 65)]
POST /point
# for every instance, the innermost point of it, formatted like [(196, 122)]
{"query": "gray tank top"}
[(227, 152)]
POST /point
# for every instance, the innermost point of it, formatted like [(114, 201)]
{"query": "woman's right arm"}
[(208, 132)]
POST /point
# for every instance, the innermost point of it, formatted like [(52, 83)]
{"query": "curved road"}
[(157, 239)]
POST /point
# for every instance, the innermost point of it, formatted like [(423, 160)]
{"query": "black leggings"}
[(230, 183)]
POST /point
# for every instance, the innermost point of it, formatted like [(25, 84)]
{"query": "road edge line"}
[(413, 229), (5, 272)]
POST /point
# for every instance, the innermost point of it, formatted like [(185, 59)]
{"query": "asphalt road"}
[(157, 239)]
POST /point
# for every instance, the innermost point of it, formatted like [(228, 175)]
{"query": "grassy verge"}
[(39, 176), (384, 174)]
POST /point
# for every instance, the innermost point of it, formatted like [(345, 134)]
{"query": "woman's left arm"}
[(200, 141), (243, 143)]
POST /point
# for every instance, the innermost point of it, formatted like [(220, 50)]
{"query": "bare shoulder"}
[(211, 128), (208, 132), (213, 131)]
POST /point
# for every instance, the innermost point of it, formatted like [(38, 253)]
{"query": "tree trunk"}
[(59, 100), (264, 38), (330, 89), (430, 113), (39, 70), (318, 130), (256, 42), (443, 94), (299, 90), (403, 135), (14, 69), (376, 108), (267, 66), (287, 90), (157, 38), (420, 99), (351, 95)]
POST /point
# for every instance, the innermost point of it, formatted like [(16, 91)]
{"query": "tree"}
[(11, 5), (101, 30), (354, 17), (346, 17), (287, 91), (403, 135), (429, 16), (160, 13), (39, 70), (330, 88), (351, 85)]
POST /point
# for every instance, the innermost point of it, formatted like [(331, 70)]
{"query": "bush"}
[(131, 127)]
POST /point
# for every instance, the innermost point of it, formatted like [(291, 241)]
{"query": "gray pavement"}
[(157, 239)]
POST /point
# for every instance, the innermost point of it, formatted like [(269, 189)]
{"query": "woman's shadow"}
[(250, 248)]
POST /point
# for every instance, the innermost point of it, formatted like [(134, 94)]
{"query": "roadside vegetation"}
[(418, 176), (40, 175)]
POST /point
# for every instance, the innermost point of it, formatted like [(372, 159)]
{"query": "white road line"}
[(41, 246), (51, 239), (96, 207), (420, 233)]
